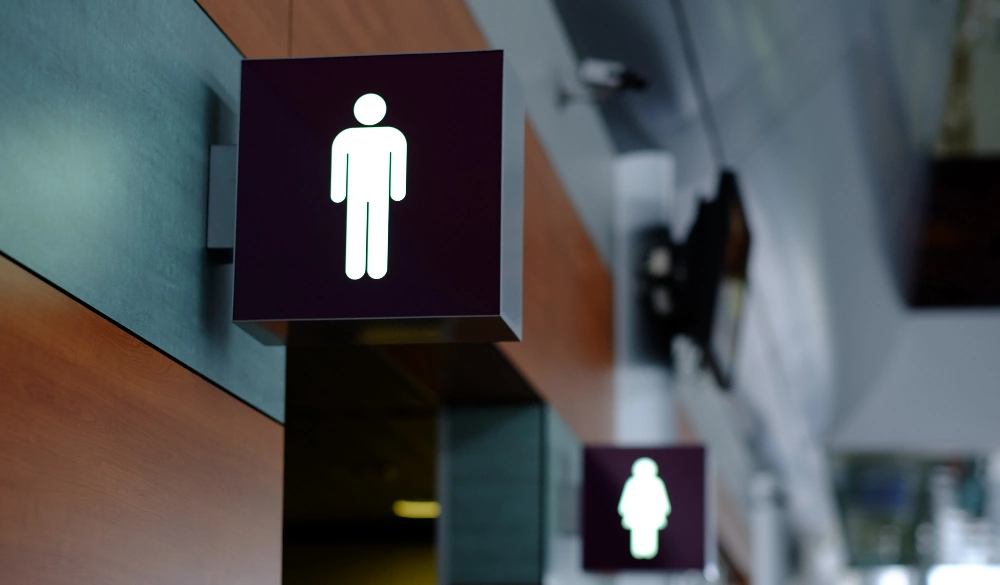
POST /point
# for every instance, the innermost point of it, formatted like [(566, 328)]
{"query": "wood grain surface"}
[(348, 27), (567, 352), (259, 28), (119, 466)]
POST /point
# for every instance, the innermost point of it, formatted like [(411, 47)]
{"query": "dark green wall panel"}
[(107, 111), (493, 494)]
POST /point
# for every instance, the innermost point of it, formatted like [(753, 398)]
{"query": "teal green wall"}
[(563, 484), (509, 483), (107, 111), (492, 476)]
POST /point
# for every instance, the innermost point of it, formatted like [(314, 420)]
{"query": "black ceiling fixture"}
[(696, 288), (954, 251)]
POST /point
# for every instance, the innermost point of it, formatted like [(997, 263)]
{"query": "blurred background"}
[(863, 135), (771, 227)]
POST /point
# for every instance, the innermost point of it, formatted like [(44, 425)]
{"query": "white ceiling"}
[(937, 390)]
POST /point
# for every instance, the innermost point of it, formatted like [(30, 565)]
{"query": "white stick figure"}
[(368, 167), (644, 507)]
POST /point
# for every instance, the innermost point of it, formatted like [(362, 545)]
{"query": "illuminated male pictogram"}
[(367, 169), (644, 507)]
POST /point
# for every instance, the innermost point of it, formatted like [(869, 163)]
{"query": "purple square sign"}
[(647, 509), (380, 199)]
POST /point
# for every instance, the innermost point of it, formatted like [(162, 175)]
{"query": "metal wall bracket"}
[(220, 229)]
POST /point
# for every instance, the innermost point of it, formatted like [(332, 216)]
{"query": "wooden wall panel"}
[(567, 352), (119, 466), (349, 27), (259, 28)]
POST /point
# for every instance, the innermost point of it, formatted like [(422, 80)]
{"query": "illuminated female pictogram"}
[(644, 508)]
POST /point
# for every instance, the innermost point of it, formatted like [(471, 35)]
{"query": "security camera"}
[(613, 75), (601, 78)]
